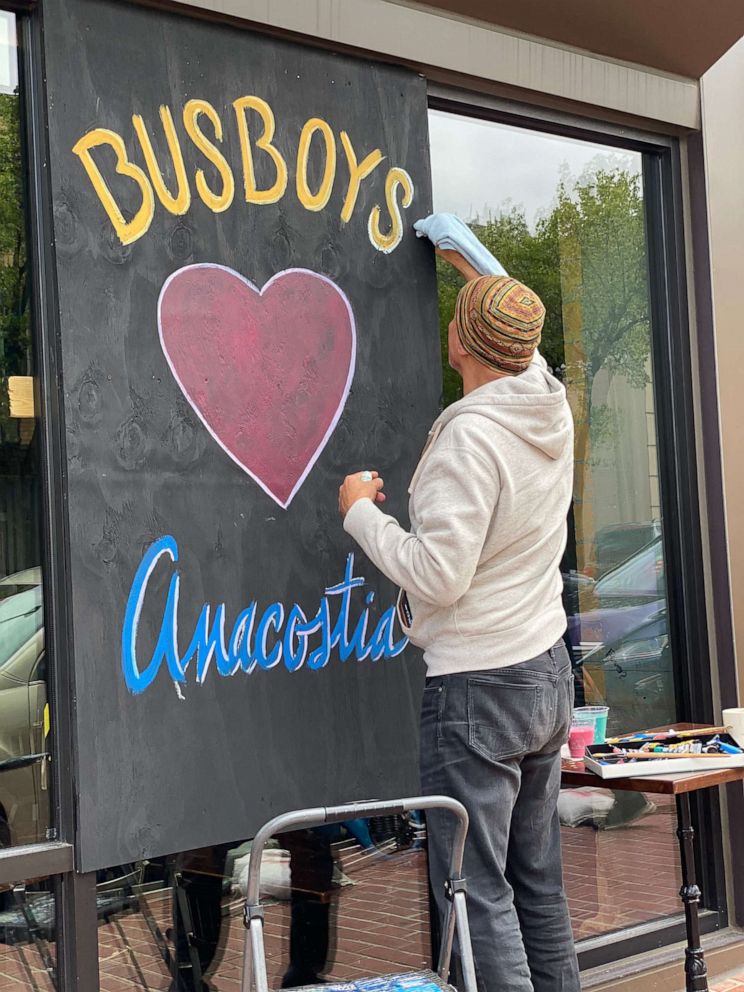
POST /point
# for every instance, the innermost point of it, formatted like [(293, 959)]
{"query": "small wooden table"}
[(680, 786)]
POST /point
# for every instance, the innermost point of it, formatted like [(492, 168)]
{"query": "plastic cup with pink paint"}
[(599, 716), (581, 733)]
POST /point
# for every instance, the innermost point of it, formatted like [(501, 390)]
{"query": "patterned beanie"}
[(499, 322)]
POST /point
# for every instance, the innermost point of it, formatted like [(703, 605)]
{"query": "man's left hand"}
[(356, 487)]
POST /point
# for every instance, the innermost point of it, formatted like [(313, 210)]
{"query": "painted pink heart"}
[(267, 371)]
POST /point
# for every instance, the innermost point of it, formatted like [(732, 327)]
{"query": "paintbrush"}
[(649, 735)]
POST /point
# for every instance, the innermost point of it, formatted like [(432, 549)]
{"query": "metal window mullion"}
[(513, 113), (77, 936), (678, 472), (34, 861)]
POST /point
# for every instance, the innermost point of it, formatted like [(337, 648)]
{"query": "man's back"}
[(490, 496)]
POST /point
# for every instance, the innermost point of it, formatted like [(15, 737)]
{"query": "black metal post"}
[(696, 972), (77, 933)]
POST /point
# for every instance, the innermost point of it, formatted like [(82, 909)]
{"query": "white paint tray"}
[(674, 766)]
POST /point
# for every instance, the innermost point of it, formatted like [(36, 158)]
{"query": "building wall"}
[(723, 134), (419, 36)]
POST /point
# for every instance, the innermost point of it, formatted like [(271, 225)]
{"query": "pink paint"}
[(267, 371), (579, 738)]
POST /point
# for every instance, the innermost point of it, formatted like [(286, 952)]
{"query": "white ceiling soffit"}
[(414, 34)]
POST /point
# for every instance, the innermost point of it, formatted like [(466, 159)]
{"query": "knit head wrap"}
[(499, 322)]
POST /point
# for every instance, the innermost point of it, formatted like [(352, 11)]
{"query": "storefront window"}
[(567, 218), (24, 712), (341, 903), (27, 936)]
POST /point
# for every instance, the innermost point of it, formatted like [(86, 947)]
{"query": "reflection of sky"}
[(479, 167), (8, 70)]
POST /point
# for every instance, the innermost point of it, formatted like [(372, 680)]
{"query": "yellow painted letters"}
[(388, 242), (215, 201), (180, 203), (309, 200), (252, 193), (357, 172), (127, 231), (256, 128)]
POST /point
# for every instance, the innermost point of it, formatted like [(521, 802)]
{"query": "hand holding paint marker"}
[(360, 485)]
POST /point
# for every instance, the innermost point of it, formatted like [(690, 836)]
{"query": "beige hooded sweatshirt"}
[(488, 507)]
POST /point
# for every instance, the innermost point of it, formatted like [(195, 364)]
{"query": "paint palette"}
[(609, 769)]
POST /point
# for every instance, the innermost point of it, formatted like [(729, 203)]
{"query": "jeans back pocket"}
[(501, 717)]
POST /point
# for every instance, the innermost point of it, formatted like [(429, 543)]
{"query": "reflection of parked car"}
[(633, 675), (624, 598), (616, 543), (638, 580), (24, 806)]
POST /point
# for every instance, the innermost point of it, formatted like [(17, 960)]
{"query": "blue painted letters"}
[(256, 640)]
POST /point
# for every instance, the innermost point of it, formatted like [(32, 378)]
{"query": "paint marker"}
[(716, 744)]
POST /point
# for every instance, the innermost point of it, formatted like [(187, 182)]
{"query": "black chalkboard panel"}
[(246, 316)]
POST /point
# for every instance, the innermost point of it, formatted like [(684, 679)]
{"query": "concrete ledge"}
[(663, 970)]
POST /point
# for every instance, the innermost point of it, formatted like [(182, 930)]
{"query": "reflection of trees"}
[(586, 259), (14, 324), (19, 530), (605, 307), (15, 358)]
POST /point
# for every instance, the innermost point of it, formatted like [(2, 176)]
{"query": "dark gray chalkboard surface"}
[(213, 405)]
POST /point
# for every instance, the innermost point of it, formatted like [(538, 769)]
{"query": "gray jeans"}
[(492, 740)]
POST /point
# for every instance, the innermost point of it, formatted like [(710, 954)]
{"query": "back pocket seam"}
[(441, 691)]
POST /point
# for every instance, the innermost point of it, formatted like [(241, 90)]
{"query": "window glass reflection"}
[(567, 218), (341, 903), (27, 936), (24, 713)]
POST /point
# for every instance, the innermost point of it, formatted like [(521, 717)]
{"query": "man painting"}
[(481, 594)]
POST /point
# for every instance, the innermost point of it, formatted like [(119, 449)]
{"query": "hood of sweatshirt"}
[(532, 406)]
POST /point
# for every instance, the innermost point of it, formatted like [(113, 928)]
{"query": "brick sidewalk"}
[(735, 984), (614, 879)]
